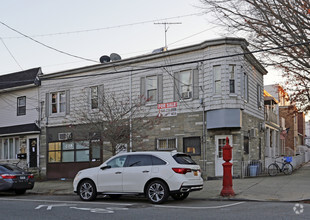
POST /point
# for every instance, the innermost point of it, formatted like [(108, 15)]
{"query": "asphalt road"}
[(70, 207)]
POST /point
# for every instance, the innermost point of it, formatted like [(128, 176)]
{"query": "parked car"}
[(157, 175), (13, 178)]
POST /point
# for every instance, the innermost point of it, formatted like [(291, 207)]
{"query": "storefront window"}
[(82, 155), (67, 152), (71, 152), (54, 152)]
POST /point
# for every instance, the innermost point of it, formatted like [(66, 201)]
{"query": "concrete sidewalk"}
[(295, 187)]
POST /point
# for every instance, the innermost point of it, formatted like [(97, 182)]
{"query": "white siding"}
[(119, 83), (8, 110)]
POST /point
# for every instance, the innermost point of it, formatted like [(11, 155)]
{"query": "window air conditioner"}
[(186, 95), (64, 136), (253, 132)]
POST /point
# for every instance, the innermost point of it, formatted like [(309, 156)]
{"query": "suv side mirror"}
[(105, 167)]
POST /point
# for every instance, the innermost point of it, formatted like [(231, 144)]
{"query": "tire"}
[(115, 196), (180, 196), (287, 169), (272, 169), (87, 190), (157, 192), (20, 191)]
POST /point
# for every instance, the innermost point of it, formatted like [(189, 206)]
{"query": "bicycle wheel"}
[(272, 169), (287, 169)]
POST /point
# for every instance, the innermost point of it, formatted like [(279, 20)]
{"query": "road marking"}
[(100, 210), (203, 207), (57, 201), (49, 207)]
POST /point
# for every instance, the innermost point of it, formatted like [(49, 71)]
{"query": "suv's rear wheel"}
[(157, 192), (87, 190), (180, 196)]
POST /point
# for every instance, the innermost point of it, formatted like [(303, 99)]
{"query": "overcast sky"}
[(90, 29)]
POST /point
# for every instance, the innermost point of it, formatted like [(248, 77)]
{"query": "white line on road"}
[(78, 202), (203, 207)]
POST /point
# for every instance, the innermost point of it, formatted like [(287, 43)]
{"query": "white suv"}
[(157, 175)]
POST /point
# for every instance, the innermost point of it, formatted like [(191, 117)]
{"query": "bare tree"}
[(268, 24), (117, 119)]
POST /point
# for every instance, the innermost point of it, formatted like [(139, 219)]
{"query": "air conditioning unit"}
[(64, 136), (186, 95), (253, 132)]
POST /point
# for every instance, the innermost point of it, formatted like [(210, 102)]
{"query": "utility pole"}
[(166, 29)]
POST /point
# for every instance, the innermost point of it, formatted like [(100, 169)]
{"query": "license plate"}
[(22, 177), (195, 173)]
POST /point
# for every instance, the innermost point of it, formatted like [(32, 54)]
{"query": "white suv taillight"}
[(182, 170)]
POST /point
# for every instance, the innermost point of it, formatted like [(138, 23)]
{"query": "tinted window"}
[(10, 168), (3, 170), (183, 159), (139, 160), (117, 162), (157, 161)]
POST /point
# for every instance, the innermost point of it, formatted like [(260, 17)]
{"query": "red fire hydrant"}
[(227, 177)]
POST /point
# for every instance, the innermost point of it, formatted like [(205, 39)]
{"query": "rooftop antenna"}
[(166, 29)]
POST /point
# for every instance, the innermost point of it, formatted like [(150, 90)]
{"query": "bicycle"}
[(287, 167)]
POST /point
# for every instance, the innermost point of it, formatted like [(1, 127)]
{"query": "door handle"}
[(145, 171), (118, 172)]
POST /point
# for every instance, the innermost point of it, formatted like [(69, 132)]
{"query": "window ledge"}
[(150, 103), (55, 115), (233, 95)]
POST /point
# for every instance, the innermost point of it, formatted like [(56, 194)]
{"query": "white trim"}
[(217, 163), (38, 149)]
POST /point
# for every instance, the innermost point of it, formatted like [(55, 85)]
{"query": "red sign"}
[(167, 105)]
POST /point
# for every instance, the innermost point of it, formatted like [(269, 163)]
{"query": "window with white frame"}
[(217, 79), (151, 88), (94, 98), (21, 105), (166, 143), (231, 69), (9, 147), (58, 102), (186, 84)]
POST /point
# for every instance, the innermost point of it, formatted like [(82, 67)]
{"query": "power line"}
[(111, 27), (10, 53), (49, 47), (147, 68), (184, 63)]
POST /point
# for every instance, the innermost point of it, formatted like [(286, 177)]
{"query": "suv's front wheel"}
[(87, 190), (157, 192)]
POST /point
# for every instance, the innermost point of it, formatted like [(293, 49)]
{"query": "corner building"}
[(202, 93)]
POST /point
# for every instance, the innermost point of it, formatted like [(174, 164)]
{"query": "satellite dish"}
[(115, 56), (105, 59)]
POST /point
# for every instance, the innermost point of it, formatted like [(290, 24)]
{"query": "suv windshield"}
[(183, 159)]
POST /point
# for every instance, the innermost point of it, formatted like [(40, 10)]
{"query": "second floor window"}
[(186, 84), (217, 79), (245, 87), (232, 78), (94, 99), (151, 88), (259, 96), (58, 102), (21, 105)]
